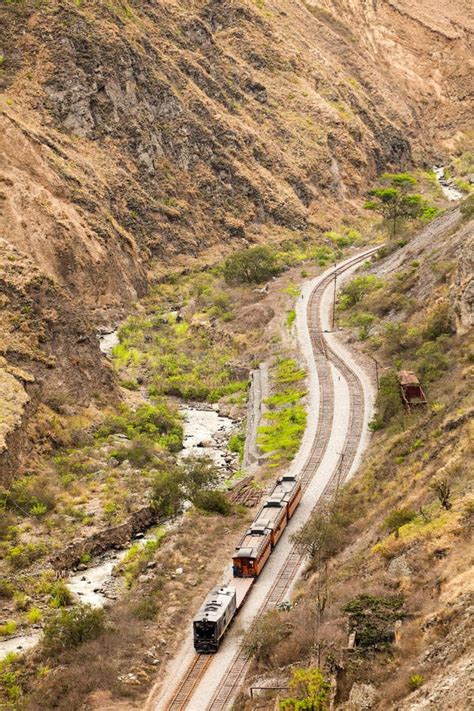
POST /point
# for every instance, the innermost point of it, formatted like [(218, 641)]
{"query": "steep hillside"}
[(162, 132)]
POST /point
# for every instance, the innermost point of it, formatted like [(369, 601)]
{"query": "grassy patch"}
[(286, 417)]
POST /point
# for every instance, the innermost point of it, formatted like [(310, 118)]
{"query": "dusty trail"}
[(340, 403)]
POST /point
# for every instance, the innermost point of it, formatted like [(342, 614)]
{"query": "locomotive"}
[(213, 618), (222, 603)]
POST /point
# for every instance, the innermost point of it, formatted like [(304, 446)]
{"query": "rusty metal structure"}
[(411, 391)]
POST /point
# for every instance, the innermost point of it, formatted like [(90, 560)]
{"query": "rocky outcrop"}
[(462, 294), (113, 537)]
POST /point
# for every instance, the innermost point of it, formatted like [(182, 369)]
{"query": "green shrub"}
[(389, 402), (10, 682), (138, 556), (67, 629), (440, 323), (431, 360), (7, 521), (38, 509), (33, 616), (264, 636), (61, 596), (146, 608), (290, 318), (323, 255), (373, 618), (21, 556), (364, 322), (398, 518), (356, 289), (286, 418), (8, 628), (343, 239), (322, 536), (7, 590), (415, 681), (139, 452), (237, 444), (147, 424), (311, 690), (199, 473), (213, 501), (21, 600), (167, 496), (467, 208), (251, 266), (30, 493), (281, 438)]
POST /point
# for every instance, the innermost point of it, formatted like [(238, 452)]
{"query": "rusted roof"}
[(407, 377)]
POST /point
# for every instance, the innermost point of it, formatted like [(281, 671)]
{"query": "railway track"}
[(323, 355), (189, 682)]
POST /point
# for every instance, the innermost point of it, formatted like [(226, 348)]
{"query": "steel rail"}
[(323, 355), (189, 682)]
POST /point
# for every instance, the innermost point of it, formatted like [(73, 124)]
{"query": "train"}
[(218, 610)]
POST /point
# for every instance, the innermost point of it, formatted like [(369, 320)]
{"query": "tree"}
[(320, 537), (395, 201), (398, 518), (264, 635), (443, 491), (311, 691), (167, 495), (251, 266), (389, 402), (357, 288), (199, 473)]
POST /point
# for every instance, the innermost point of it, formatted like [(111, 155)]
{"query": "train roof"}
[(268, 516), (252, 544), (284, 486), (215, 603)]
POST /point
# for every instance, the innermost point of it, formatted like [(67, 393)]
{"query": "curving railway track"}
[(326, 360)]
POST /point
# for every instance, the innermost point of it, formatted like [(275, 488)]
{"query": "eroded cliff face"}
[(161, 132)]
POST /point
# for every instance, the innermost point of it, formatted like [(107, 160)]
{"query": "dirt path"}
[(327, 384)]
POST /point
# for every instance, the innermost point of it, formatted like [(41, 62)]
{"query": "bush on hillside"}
[(251, 266), (70, 628), (213, 501), (389, 402)]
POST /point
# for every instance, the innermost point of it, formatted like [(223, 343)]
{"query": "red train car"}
[(267, 528), (286, 491), (252, 553), (272, 517)]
